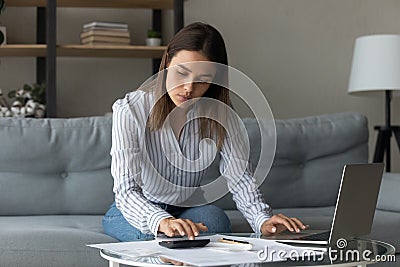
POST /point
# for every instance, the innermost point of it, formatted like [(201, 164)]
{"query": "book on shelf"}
[(106, 44), (105, 39), (105, 29), (104, 33), (113, 25)]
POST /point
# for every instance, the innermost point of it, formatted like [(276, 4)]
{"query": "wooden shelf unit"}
[(39, 50), (47, 50), (148, 4), (110, 51), (23, 50)]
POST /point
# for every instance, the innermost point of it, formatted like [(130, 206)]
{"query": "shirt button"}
[(64, 174)]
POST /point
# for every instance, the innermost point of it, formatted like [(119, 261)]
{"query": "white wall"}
[(297, 51)]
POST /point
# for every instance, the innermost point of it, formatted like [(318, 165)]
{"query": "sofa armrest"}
[(389, 193)]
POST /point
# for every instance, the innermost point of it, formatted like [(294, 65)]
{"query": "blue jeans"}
[(115, 225)]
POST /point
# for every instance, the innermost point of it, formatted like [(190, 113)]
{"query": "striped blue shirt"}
[(154, 167)]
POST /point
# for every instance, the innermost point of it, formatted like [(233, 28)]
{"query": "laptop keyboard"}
[(324, 236)]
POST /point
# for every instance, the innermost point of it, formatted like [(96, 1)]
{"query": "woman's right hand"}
[(172, 227)]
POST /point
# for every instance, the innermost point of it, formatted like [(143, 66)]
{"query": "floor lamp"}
[(376, 70)]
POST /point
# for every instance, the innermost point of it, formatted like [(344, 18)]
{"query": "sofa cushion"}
[(309, 159), (55, 166), (51, 240), (389, 194)]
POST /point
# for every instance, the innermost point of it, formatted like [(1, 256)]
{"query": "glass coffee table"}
[(358, 252)]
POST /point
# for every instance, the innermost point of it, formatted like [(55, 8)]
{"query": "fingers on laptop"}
[(281, 222)]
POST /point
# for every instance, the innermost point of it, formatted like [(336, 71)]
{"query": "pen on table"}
[(232, 241)]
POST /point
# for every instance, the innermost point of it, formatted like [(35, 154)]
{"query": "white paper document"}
[(213, 254)]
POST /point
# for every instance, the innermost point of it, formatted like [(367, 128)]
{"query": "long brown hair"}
[(207, 40)]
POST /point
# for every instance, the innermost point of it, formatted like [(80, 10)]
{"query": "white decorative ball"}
[(30, 110), (39, 113), (17, 104), (15, 110)]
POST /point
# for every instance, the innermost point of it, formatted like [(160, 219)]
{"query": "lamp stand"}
[(385, 134)]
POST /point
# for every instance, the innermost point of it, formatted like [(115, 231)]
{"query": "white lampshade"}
[(376, 64)]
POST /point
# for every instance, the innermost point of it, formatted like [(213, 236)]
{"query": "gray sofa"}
[(55, 183)]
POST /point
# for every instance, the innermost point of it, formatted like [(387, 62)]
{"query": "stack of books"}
[(105, 33)]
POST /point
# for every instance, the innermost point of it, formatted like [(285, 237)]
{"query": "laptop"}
[(354, 211)]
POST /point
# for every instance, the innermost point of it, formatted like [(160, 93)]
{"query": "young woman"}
[(146, 122)]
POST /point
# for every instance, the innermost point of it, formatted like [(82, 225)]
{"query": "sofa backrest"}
[(309, 158), (55, 166), (62, 166)]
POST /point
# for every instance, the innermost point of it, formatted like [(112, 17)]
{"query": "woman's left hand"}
[(279, 223)]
